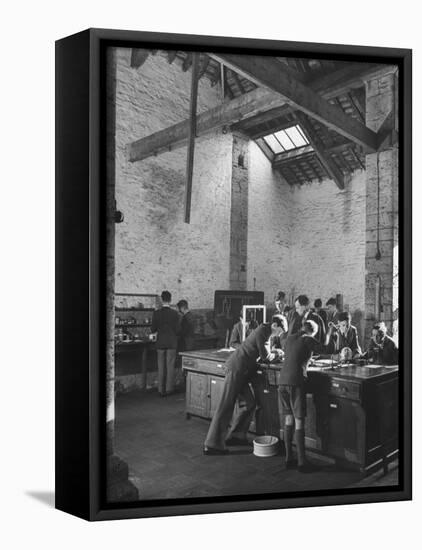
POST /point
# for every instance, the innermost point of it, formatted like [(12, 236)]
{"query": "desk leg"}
[(144, 368)]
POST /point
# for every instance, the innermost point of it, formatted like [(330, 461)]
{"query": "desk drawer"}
[(345, 388), (204, 365)]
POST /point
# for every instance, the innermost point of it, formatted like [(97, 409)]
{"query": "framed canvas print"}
[(233, 274)]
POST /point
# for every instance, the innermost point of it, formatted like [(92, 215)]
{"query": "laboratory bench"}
[(352, 411)]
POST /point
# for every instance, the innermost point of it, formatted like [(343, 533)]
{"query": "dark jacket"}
[(348, 340), (323, 314), (253, 347), (187, 331), (385, 352), (236, 335), (296, 323), (298, 350), (166, 323)]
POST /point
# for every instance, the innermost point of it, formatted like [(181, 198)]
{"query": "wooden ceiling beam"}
[(270, 73), (138, 57), (204, 65), (171, 56), (328, 86), (187, 62), (332, 171), (258, 104), (192, 135), (225, 114)]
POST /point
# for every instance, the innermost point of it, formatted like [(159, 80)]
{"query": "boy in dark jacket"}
[(187, 326), (344, 335), (298, 352), (166, 325), (241, 370), (382, 349)]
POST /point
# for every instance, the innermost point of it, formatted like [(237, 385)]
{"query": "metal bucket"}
[(265, 445)]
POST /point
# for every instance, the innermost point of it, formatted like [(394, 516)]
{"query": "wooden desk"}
[(352, 411)]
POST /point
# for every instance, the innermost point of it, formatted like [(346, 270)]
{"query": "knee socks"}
[(288, 438), (300, 447)]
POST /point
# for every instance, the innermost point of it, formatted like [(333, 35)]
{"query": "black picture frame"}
[(80, 274)]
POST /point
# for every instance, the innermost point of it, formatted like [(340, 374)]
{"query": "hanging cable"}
[(378, 253)]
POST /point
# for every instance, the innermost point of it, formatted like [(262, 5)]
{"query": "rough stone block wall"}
[(239, 213), (328, 242), (308, 239), (155, 249), (381, 285), (269, 231)]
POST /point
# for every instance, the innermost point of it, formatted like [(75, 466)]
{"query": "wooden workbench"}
[(352, 411)]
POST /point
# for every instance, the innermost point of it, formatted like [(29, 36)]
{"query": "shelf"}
[(133, 325), (134, 309)]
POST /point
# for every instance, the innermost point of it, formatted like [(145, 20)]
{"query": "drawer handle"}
[(335, 385), (219, 366), (213, 382), (333, 405), (188, 363)]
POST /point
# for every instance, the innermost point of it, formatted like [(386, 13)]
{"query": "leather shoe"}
[(212, 451), (236, 441), (307, 468)]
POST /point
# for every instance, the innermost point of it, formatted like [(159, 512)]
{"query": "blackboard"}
[(228, 304)]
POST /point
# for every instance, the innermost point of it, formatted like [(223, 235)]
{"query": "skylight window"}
[(286, 140)]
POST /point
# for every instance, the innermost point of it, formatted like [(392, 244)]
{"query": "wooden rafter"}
[(138, 57), (356, 157), (332, 171), (238, 82), (258, 104), (204, 65), (176, 136), (328, 86), (268, 72), (192, 135), (171, 56), (187, 62), (356, 107)]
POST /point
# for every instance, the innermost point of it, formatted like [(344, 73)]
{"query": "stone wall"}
[(155, 249), (327, 255), (381, 289), (314, 237), (269, 227), (239, 212), (249, 228)]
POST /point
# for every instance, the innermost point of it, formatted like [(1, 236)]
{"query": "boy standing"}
[(298, 352), (166, 324)]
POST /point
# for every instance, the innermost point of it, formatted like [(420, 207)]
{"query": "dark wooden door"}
[(346, 430)]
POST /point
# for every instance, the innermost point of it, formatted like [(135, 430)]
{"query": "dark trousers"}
[(246, 386), (166, 361)]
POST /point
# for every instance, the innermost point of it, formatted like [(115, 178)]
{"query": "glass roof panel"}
[(273, 143), (297, 137), (286, 140)]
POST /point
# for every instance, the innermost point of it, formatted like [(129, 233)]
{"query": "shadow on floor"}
[(45, 497)]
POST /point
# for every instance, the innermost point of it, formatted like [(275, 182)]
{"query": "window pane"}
[(273, 143), (296, 136), (284, 140)]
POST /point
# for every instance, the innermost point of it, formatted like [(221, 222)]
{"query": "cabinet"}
[(203, 393), (352, 412)]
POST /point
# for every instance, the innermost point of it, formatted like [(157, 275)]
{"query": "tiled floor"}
[(164, 453)]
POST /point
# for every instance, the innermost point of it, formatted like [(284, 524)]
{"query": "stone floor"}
[(164, 453)]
